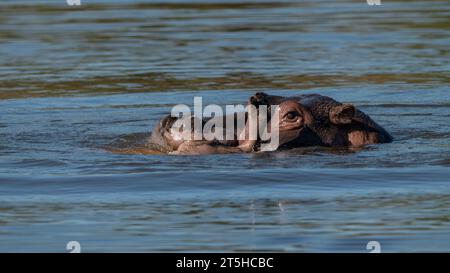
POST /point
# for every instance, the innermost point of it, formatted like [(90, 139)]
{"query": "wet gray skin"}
[(310, 120), (304, 120), (171, 141)]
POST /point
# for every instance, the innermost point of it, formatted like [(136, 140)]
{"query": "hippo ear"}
[(261, 98), (342, 114), (167, 122)]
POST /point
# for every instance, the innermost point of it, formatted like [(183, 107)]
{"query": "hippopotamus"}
[(303, 120)]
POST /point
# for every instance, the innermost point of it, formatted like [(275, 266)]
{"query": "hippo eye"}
[(291, 115)]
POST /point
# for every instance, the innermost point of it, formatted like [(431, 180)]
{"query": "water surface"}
[(77, 80)]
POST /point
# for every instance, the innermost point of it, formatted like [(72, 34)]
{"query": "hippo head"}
[(293, 124), (161, 135), (301, 120), (294, 120), (165, 137)]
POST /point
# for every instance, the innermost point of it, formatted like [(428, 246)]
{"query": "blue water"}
[(76, 86)]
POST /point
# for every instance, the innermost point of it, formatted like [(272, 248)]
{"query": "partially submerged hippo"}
[(303, 120)]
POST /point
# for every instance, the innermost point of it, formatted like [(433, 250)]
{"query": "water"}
[(77, 82)]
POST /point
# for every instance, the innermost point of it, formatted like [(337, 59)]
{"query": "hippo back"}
[(333, 134)]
